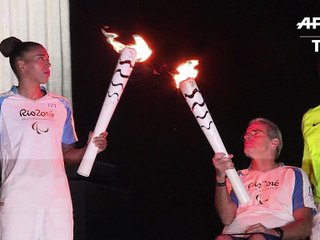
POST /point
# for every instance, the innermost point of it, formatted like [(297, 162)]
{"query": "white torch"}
[(129, 55), (185, 80)]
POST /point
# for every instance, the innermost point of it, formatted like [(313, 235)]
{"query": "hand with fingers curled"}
[(257, 228), (100, 141), (260, 228), (221, 162)]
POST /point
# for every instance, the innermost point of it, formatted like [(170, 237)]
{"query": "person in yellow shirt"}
[(311, 159)]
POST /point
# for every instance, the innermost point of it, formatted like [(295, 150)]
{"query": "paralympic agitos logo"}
[(35, 113), (39, 130)]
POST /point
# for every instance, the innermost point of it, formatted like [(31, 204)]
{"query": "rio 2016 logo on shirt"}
[(35, 126), (264, 184), (35, 113)]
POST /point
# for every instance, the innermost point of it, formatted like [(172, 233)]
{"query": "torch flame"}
[(143, 51), (186, 71)]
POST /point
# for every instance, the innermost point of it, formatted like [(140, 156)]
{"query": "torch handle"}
[(92, 151), (237, 186), (118, 82)]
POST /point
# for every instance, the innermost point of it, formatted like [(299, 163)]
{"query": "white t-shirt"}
[(274, 195), (31, 137)]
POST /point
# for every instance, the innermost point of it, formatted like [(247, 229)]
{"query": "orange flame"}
[(143, 51), (186, 71)]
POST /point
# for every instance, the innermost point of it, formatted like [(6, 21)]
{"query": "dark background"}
[(252, 64)]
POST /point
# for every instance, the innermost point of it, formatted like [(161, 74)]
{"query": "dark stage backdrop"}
[(252, 64)]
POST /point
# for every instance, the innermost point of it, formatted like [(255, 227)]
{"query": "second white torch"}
[(186, 82), (129, 55)]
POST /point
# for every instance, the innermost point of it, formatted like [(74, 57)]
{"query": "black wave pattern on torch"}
[(192, 94), (201, 105), (196, 103), (203, 117), (121, 62), (115, 93), (126, 62), (208, 128), (122, 75)]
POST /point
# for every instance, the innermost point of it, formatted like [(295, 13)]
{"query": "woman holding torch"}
[(281, 202), (36, 137)]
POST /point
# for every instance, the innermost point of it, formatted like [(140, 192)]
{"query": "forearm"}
[(299, 229), (224, 205), (73, 155)]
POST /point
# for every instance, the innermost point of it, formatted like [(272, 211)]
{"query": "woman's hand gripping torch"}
[(185, 80), (129, 55)]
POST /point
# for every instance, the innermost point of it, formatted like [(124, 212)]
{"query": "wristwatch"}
[(280, 231)]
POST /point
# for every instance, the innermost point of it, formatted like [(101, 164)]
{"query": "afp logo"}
[(310, 23)]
